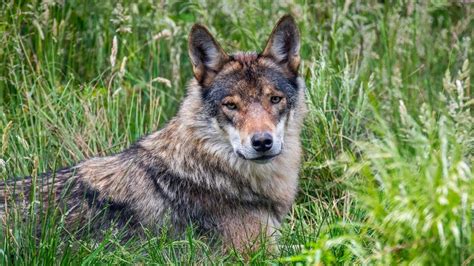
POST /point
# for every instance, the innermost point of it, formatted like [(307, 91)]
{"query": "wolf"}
[(227, 163)]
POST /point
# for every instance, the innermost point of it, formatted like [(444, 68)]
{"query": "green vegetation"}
[(389, 140)]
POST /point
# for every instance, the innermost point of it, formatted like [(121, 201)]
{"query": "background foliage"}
[(387, 176)]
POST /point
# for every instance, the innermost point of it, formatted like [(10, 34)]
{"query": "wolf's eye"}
[(275, 99), (230, 106)]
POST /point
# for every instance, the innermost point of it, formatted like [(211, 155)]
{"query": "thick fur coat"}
[(200, 168)]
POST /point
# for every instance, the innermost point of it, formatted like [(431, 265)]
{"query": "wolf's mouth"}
[(264, 157), (261, 159)]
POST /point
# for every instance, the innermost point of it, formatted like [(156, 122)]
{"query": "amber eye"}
[(275, 99), (230, 106)]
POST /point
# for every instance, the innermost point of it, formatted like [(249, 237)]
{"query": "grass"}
[(387, 176)]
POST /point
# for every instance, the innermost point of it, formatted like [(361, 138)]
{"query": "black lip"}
[(264, 157), (258, 159), (241, 155)]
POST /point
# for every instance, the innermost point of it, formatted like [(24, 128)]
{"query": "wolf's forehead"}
[(238, 83), (251, 83), (252, 79), (249, 75)]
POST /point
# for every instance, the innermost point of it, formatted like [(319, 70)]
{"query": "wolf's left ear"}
[(284, 44), (207, 56)]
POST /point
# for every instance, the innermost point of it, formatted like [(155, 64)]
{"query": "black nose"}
[(262, 142)]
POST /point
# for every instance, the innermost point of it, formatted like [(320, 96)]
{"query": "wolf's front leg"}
[(248, 232)]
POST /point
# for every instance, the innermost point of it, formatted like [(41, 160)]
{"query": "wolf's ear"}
[(284, 44), (207, 57)]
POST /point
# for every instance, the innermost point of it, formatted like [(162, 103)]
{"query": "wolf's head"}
[(249, 95)]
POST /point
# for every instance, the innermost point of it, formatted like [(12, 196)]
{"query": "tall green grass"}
[(387, 176)]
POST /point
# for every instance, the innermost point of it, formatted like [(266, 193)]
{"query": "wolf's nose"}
[(262, 142)]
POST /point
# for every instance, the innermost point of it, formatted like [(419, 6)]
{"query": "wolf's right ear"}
[(207, 57)]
